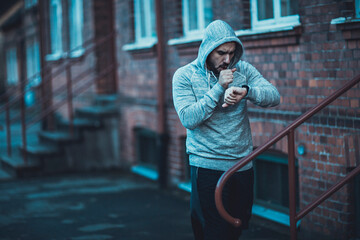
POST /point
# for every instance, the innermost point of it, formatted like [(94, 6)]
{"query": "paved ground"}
[(99, 206)]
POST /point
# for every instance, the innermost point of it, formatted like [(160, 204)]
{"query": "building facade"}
[(307, 49)]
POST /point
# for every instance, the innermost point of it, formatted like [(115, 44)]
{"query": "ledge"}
[(145, 172), (54, 56), (272, 215), (186, 186), (140, 45), (185, 40), (342, 20)]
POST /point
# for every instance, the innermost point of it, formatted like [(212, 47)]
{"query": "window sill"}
[(76, 53), (186, 186), (145, 172), (272, 215), (140, 45), (258, 31), (185, 40), (343, 20), (54, 56)]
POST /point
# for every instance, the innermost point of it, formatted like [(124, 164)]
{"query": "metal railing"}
[(72, 88), (289, 132)]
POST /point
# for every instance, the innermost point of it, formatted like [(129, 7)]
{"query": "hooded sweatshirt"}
[(218, 137)]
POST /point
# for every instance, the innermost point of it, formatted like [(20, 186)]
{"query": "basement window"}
[(186, 178), (271, 187), (146, 153)]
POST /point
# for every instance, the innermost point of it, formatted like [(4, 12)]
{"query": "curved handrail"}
[(226, 175)]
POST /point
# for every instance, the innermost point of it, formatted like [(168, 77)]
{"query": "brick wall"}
[(306, 64)]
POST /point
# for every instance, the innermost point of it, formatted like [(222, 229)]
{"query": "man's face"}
[(220, 58)]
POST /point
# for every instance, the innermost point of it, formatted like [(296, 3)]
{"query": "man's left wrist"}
[(247, 89)]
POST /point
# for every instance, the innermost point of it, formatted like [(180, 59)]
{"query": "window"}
[(32, 70), (56, 48), (146, 147), (11, 66), (76, 27), (273, 194), (267, 14), (33, 63), (145, 21), (30, 3), (197, 14), (357, 8)]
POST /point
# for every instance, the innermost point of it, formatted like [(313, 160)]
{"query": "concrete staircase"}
[(93, 144)]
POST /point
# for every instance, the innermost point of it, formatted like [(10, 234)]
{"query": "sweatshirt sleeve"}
[(261, 92), (192, 112)]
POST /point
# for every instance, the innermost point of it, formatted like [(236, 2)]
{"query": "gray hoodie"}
[(218, 137)]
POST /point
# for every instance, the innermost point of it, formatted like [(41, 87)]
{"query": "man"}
[(210, 96)]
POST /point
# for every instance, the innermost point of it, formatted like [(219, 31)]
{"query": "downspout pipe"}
[(161, 88)]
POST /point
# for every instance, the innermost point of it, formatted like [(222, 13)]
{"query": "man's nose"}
[(227, 59)]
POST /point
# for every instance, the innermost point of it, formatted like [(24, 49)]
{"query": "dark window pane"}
[(193, 16), (265, 9), (271, 183), (289, 7), (142, 18), (146, 147)]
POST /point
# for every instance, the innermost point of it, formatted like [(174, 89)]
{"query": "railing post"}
[(22, 77), (292, 184), (8, 125), (69, 98)]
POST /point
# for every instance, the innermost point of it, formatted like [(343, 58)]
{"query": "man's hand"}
[(226, 77), (233, 95)]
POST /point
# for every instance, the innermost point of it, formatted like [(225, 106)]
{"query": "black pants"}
[(237, 194)]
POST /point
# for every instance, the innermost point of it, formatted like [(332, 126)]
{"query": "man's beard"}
[(215, 70)]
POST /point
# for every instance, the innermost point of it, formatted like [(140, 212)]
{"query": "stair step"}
[(59, 137), (106, 99), (16, 165), (98, 111), (40, 149), (5, 175), (82, 123)]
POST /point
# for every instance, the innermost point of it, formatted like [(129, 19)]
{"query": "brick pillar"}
[(105, 52)]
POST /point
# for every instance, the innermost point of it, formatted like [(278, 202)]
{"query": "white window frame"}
[(142, 42), (148, 22), (12, 74), (56, 47), (191, 35), (33, 63), (201, 18), (76, 24), (30, 3), (277, 22)]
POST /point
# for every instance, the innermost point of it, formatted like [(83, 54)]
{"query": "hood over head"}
[(217, 33)]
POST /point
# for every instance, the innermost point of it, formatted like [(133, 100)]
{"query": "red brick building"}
[(307, 49)]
